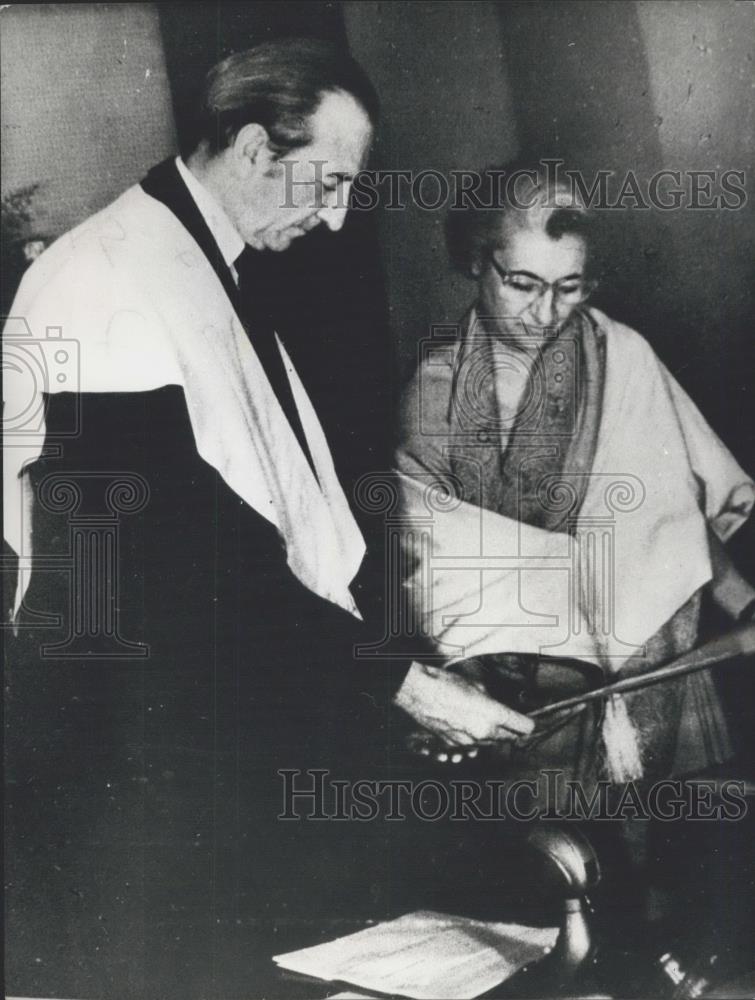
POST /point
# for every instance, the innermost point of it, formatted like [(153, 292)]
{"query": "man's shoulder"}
[(126, 236), (90, 239)]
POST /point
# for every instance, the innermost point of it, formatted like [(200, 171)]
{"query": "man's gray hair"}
[(278, 85)]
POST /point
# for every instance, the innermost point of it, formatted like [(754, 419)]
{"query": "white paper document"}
[(425, 955), (348, 995)]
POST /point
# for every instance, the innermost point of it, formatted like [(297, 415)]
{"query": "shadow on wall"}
[(446, 106)]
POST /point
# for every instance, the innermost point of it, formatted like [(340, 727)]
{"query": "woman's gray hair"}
[(524, 197)]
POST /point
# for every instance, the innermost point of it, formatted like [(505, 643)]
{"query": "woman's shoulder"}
[(427, 394), (437, 358), (441, 349), (621, 336)]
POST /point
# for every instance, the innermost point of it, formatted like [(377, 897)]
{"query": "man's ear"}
[(251, 149)]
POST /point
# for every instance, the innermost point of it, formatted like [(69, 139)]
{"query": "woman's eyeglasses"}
[(528, 288)]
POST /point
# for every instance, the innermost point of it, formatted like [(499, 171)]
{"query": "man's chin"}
[(280, 241)]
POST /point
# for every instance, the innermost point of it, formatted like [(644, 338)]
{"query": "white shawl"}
[(138, 307), (484, 583)]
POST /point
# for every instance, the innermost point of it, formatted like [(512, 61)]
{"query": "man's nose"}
[(333, 212)]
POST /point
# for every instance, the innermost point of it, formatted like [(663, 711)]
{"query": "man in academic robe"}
[(184, 606)]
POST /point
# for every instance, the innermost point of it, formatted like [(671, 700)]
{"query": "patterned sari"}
[(513, 427)]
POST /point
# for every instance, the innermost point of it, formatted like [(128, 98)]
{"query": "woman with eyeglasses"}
[(565, 505)]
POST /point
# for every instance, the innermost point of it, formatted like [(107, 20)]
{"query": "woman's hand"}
[(458, 712)]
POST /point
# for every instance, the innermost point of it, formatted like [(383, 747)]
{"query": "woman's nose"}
[(544, 308)]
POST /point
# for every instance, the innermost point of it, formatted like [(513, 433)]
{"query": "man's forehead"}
[(341, 133)]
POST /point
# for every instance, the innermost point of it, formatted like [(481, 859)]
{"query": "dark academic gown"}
[(145, 856)]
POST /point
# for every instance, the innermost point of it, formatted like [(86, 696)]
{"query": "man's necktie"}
[(256, 291)]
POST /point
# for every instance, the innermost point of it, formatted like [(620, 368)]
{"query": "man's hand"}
[(457, 710)]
